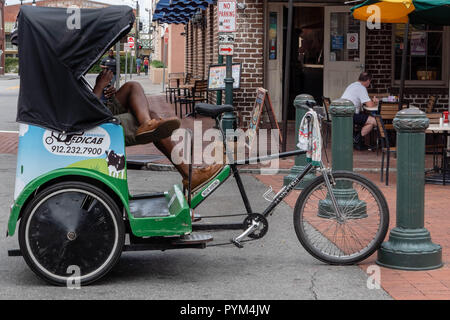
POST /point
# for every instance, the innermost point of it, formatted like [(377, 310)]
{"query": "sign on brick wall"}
[(226, 10)]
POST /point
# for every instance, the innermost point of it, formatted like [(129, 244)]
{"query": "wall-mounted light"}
[(241, 6), (198, 19)]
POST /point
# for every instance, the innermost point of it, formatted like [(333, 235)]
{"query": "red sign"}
[(226, 49), (226, 11), (131, 42)]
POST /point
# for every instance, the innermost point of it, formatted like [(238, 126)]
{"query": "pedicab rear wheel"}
[(71, 232)]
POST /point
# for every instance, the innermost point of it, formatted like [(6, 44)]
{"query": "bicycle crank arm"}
[(237, 241)]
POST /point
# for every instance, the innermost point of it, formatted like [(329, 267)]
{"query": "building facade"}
[(169, 45), (329, 50), (2, 38)]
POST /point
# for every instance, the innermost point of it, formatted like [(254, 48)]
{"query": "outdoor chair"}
[(183, 91), (431, 104), (386, 148), (198, 93), (173, 84)]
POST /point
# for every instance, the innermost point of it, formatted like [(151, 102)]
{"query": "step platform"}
[(141, 162), (190, 241)]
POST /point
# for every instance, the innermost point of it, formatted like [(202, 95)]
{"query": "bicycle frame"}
[(232, 168)]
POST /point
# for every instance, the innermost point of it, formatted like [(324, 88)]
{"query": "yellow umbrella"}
[(391, 11)]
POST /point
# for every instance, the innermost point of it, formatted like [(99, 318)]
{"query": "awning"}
[(178, 11)]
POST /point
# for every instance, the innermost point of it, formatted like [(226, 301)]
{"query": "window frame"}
[(425, 83)]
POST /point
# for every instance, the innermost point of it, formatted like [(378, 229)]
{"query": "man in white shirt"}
[(357, 93)]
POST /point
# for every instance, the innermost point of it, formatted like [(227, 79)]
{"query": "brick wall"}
[(378, 57), (378, 63), (202, 50)]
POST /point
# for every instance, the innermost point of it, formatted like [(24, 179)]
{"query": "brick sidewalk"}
[(433, 284)]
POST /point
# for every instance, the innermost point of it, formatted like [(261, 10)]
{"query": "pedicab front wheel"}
[(350, 235), (71, 233)]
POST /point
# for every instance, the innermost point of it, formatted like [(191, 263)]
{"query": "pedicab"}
[(71, 190)]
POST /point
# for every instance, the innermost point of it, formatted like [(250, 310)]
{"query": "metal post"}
[(131, 66), (118, 65), (126, 63), (409, 246), (403, 70), (342, 159), (164, 66), (228, 121), (219, 93), (301, 108), (287, 72)]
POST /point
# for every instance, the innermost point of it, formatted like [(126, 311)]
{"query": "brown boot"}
[(154, 130), (202, 176)]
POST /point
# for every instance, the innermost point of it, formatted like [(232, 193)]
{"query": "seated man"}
[(357, 93), (130, 98)]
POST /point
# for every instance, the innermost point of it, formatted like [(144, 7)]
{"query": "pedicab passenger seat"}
[(212, 110)]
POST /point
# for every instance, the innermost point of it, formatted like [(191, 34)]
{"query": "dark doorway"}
[(306, 54)]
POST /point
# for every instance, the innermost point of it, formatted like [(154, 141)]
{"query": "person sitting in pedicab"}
[(130, 98)]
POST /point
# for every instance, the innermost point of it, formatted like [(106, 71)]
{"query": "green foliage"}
[(11, 65), (157, 64), (96, 67)]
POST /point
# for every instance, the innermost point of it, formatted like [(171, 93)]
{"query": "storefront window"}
[(424, 52), (344, 37)]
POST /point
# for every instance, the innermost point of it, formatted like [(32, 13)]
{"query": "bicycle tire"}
[(307, 231)]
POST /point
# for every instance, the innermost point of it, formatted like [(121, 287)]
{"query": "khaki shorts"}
[(127, 120)]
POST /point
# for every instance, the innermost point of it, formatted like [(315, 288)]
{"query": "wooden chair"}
[(198, 93), (174, 81), (432, 100), (432, 144), (387, 111), (327, 121), (183, 90), (386, 148)]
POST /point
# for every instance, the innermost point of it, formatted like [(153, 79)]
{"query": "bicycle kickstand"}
[(237, 241)]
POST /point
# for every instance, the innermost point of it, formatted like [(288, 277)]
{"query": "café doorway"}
[(307, 53)]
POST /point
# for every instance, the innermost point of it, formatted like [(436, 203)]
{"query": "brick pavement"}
[(434, 284)]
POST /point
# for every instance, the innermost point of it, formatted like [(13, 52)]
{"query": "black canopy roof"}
[(54, 55)]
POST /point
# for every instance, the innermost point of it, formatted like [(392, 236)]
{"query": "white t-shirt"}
[(357, 94)]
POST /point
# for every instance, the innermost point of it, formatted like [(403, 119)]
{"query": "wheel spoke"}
[(357, 234)]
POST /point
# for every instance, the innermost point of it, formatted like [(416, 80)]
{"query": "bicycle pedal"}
[(237, 243)]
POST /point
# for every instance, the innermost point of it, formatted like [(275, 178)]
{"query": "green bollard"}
[(409, 246), (300, 161), (342, 159)]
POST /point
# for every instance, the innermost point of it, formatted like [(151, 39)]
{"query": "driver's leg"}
[(200, 176), (151, 127), (131, 96)]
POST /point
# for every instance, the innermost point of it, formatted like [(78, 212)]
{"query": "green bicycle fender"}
[(118, 187)]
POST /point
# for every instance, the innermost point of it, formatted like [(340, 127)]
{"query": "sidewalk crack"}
[(313, 285)]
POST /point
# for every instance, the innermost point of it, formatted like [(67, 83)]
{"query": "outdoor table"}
[(441, 176)]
